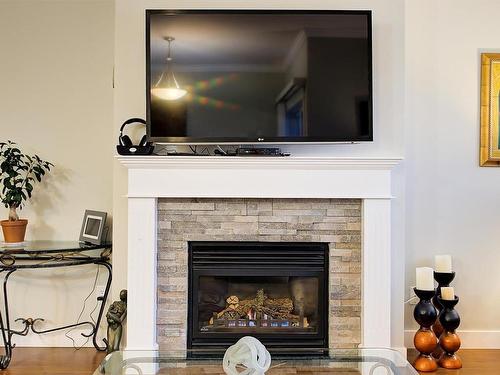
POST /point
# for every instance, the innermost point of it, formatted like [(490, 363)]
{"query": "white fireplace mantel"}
[(153, 177)]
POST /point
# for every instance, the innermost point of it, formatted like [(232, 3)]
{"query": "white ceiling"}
[(242, 39)]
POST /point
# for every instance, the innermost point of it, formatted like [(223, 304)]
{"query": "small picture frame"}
[(93, 227)]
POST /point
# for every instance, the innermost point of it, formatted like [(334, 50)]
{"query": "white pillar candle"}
[(425, 278), (447, 293), (442, 263)]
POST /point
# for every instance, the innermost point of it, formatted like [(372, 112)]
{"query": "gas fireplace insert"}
[(277, 292)]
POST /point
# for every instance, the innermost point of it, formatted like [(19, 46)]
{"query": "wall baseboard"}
[(470, 339), (36, 342), (58, 340)]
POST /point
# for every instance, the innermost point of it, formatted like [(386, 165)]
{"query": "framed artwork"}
[(93, 227), (490, 103)]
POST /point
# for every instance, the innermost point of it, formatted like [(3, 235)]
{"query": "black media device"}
[(250, 151), (125, 145), (259, 76)]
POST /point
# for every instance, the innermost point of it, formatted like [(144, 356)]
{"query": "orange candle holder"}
[(425, 340), (449, 340)]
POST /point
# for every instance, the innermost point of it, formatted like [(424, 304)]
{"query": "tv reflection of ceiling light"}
[(166, 87)]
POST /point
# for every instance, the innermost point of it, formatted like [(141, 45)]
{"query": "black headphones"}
[(125, 145)]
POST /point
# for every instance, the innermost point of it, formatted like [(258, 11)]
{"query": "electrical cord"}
[(411, 299), (163, 149), (81, 314), (205, 150), (221, 150), (93, 310), (202, 150)]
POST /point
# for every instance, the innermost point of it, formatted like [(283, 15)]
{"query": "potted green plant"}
[(18, 173)]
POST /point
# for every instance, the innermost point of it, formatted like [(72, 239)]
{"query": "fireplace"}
[(294, 199), (275, 291)]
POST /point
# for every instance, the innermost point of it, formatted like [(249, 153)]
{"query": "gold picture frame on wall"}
[(490, 103)]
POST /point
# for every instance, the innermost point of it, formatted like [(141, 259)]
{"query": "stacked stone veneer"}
[(335, 221)]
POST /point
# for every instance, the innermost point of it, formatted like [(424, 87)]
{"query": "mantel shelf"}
[(258, 177), (289, 162)]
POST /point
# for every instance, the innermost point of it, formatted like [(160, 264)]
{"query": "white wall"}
[(56, 100), (388, 117), (452, 203)]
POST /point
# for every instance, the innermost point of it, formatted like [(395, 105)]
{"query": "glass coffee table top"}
[(284, 362), (46, 247)]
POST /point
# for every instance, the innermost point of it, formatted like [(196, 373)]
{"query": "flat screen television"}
[(259, 76)]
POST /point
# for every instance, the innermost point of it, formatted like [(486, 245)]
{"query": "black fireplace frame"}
[(204, 259)]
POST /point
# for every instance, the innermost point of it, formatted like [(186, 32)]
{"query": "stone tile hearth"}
[(334, 221)]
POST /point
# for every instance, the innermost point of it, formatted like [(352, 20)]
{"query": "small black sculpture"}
[(115, 316)]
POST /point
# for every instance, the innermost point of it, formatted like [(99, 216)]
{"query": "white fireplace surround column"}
[(153, 177)]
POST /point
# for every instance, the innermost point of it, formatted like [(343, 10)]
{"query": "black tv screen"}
[(258, 76)]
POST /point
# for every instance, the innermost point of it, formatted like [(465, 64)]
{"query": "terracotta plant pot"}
[(14, 231)]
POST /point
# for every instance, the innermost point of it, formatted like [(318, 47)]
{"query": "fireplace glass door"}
[(276, 292), (258, 304)]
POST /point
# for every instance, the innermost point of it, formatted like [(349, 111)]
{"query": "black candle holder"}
[(443, 279), (449, 340), (425, 340)]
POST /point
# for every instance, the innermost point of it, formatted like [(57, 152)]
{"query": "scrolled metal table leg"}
[(6, 358), (103, 304), (5, 326)]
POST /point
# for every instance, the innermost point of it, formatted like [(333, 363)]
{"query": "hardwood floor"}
[(475, 362), (67, 361), (54, 361)]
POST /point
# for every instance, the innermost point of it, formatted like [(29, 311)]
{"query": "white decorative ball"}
[(248, 352)]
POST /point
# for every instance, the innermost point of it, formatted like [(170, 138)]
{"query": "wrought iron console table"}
[(43, 255)]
